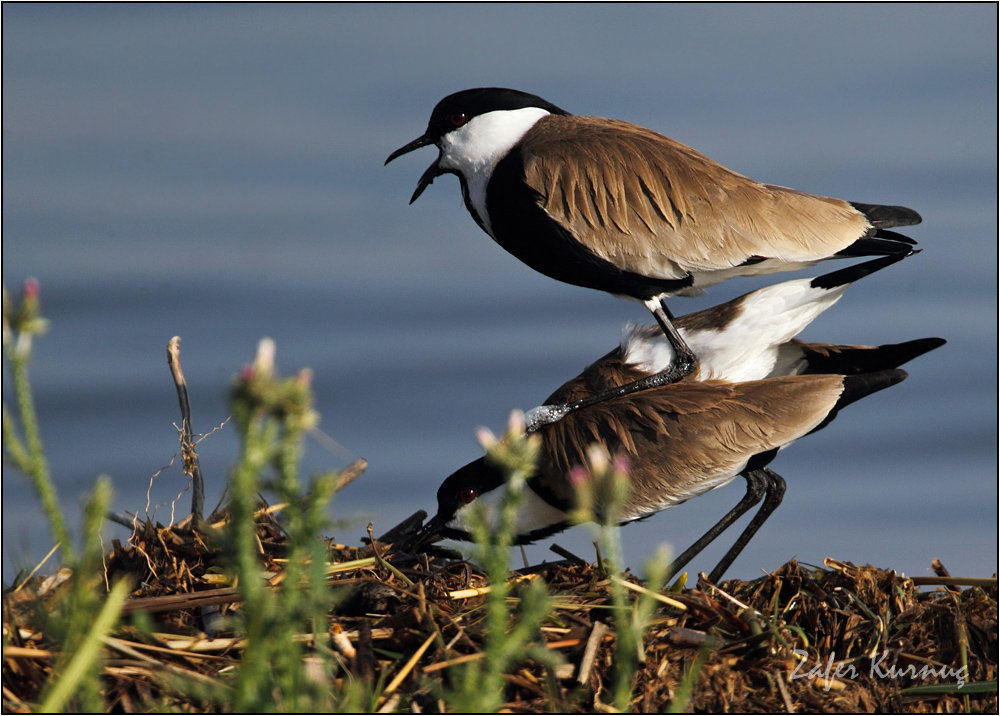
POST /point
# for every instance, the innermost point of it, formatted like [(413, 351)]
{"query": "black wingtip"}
[(861, 386), (886, 217), (858, 271)]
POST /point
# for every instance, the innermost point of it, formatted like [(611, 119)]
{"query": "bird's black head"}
[(457, 110), (461, 488), (482, 480)]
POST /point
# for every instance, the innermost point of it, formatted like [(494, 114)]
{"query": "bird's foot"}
[(545, 415), (684, 365)]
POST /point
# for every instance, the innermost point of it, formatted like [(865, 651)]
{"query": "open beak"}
[(421, 141), (427, 178)]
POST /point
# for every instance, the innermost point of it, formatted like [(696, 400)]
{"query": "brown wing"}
[(659, 208), (682, 437)]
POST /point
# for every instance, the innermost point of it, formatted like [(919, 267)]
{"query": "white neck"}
[(475, 149)]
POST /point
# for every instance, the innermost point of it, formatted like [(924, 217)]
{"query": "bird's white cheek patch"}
[(533, 514), (475, 149)]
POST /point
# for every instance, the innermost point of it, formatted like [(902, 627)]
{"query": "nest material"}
[(835, 639)]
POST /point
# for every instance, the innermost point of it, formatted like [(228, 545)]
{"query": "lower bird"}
[(609, 205), (687, 438)]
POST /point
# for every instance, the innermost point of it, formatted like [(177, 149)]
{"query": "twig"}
[(20, 652), (408, 667), (382, 563), (590, 652), (681, 636), (191, 466), (783, 690), (551, 646), (37, 567), (954, 581), (655, 595), (365, 656), (390, 705), (262, 512), (171, 602), (481, 591), (942, 571), (351, 473), (120, 519), (566, 554), (454, 662)]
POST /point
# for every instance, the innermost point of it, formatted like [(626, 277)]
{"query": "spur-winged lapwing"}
[(609, 205), (685, 439)]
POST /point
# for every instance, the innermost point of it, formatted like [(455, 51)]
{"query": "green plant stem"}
[(681, 702), (32, 456), (12, 443), (626, 636)]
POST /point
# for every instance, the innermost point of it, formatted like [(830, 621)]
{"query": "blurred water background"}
[(215, 172)]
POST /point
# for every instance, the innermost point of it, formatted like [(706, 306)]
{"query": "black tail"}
[(860, 386), (854, 360)]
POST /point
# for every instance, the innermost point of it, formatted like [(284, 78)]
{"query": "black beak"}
[(427, 178), (431, 532), (421, 141)]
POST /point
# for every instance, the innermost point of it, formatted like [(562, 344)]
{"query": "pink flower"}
[(485, 437), (31, 288), (579, 476)]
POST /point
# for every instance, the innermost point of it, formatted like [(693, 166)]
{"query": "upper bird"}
[(609, 205)]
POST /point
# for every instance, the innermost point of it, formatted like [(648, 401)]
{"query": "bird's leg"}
[(775, 492), (684, 363), (756, 487)]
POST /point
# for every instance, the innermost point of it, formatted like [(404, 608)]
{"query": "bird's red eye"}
[(467, 495), (457, 119)]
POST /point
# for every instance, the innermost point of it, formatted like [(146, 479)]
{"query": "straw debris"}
[(838, 638)]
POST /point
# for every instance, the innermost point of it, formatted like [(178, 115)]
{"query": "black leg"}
[(684, 363), (775, 492), (756, 487)]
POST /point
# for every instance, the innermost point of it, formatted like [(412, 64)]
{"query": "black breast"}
[(524, 229)]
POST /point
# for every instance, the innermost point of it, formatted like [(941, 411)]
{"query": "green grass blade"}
[(89, 650)]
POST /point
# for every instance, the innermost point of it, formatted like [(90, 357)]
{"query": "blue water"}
[(215, 172)]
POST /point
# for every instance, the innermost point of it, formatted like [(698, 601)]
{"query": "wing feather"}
[(687, 438), (659, 208)]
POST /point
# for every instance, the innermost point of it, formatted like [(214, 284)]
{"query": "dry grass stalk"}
[(748, 633)]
